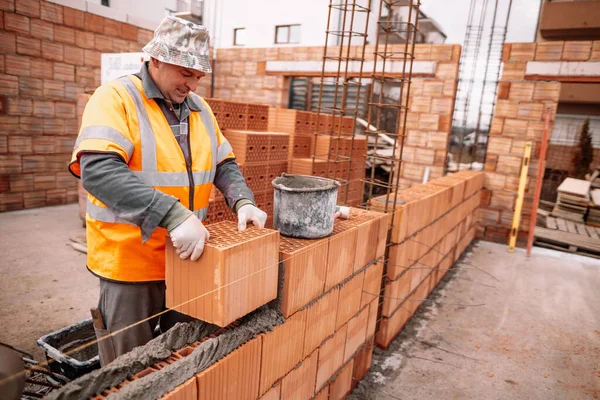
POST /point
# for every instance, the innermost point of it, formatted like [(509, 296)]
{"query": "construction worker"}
[(148, 153)]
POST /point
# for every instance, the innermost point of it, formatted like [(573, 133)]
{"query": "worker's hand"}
[(250, 212), (189, 238)]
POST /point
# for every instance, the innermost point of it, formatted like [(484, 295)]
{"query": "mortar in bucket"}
[(304, 206)]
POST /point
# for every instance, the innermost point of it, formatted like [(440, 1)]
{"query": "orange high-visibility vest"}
[(120, 119)]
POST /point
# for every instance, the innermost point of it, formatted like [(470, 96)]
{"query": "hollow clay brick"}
[(305, 267), (373, 317), (362, 363), (331, 357), (273, 394), (320, 320), (282, 349), (350, 299), (342, 385), (372, 283), (187, 391), (235, 377), (236, 274), (357, 333), (300, 382)]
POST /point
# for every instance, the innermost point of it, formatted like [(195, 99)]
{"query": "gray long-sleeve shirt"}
[(107, 177)]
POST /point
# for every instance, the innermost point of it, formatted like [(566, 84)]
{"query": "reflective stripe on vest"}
[(105, 133), (106, 215)]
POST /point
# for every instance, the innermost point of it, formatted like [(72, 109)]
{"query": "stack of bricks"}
[(262, 156), (236, 115), (431, 229), (528, 86), (49, 55)]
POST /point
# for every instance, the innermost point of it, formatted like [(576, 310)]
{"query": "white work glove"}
[(249, 212), (189, 238)]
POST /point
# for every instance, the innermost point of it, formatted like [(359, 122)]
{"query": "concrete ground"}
[(536, 337), (44, 284)]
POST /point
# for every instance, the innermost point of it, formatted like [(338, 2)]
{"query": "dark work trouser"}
[(123, 305)]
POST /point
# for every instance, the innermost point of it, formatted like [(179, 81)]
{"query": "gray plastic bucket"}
[(304, 206)]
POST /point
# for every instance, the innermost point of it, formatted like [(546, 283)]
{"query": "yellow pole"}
[(519, 205)]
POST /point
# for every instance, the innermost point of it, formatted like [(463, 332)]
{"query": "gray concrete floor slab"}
[(536, 337), (44, 284)]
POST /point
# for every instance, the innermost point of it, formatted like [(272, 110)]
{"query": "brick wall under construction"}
[(49, 55), (522, 100), (340, 296)]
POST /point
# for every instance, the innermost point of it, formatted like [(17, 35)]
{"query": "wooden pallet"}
[(572, 242)]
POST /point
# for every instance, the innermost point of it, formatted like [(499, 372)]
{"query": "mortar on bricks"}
[(304, 206)]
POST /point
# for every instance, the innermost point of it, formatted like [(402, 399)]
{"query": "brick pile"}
[(519, 117), (243, 77), (49, 55), (431, 229)]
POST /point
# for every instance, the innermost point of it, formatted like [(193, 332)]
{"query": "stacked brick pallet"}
[(49, 55), (433, 226), (324, 154)]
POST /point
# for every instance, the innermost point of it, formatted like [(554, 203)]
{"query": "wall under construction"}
[(530, 85), (339, 295)]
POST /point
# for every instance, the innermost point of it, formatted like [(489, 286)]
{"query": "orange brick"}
[(19, 106), (73, 18), (51, 12), (442, 106), (497, 125), (372, 284), (188, 390), (29, 46), (129, 32), (64, 144), (64, 72), (549, 51), (522, 51), (342, 385), (92, 58), (234, 377), (19, 145), (530, 111), (112, 27), (42, 69), (397, 290), (429, 122), (85, 40), (300, 383), (305, 268), (73, 55), (513, 71), (94, 23), (103, 43), (28, 7), (506, 108), (357, 333), (340, 261), (441, 52), (16, 23), (331, 357), (373, 318), (9, 85), (42, 29), (595, 51), (499, 145), (85, 75), (34, 199), (350, 299), (577, 51), (43, 145), (447, 70), (42, 181), (320, 320), (433, 88), (3, 149), (54, 89), (282, 350), (65, 109), (420, 104), (273, 394), (52, 51), (17, 65), (362, 363), (43, 107), (64, 34), (521, 91), (231, 278), (8, 42), (546, 91)]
